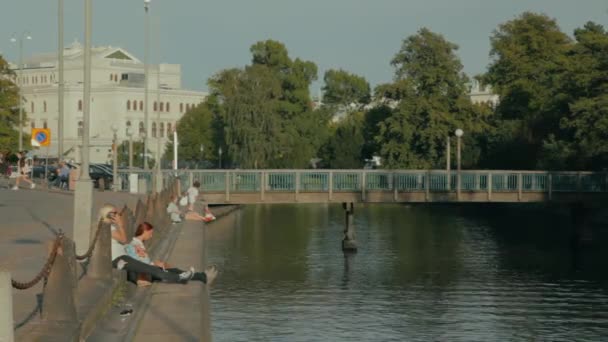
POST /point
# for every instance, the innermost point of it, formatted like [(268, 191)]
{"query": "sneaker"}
[(15, 188), (33, 185), (185, 276)]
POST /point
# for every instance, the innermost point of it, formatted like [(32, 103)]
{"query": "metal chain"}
[(91, 246), (46, 269)]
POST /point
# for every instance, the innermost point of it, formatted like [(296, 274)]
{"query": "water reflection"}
[(422, 273)]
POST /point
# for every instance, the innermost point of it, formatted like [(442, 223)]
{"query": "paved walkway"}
[(28, 219)]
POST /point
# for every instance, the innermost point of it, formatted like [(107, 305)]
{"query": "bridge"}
[(391, 186)]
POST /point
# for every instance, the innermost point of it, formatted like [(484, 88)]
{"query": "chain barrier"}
[(46, 269), (91, 246)]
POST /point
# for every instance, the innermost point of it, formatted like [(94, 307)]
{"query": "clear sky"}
[(360, 36)]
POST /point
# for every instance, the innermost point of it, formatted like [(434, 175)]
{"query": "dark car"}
[(39, 171)]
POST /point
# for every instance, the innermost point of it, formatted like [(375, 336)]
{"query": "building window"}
[(141, 128), (44, 106), (154, 130), (167, 107), (155, 106), (128, 104), (141, 105), (80, 105), (181, 107), (162, 107), (168, 128), (128, 127), (161, 130), (80, 129), (33, 107), (45, 125)]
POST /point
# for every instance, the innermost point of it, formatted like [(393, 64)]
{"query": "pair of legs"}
[(135, 268), (25, 179)]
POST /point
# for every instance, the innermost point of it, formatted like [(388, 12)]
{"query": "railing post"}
[(458, 185), (331, 184), (489, 183), (395, 186), (427, 186), (227, 183), (6, 303), (579, 183), (262, 185), (363, 185), (297, 184), (550, 186), (519, 186)]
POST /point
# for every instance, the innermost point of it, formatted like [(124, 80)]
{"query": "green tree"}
[(9, 112), (344, 149), (138, 158), (583, 141), (343, 89), (429, 95), (529, 61), (198, 127)]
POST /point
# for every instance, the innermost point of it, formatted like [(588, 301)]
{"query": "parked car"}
[(38, 170)]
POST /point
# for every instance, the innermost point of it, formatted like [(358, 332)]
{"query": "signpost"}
[(42, 137)]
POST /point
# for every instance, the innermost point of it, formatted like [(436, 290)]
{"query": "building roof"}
[(75, 52)]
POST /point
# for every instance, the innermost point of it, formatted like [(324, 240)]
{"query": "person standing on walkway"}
[(137, 250), (121, 260), (23, 170), (193, 193)]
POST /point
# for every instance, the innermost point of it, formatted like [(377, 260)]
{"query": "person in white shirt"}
[(120, 260), (193, 193), (137, 250), (23, 171)]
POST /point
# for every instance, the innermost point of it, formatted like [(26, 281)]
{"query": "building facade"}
[(117, 98)]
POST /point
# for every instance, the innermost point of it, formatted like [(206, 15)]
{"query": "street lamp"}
[(219, 151), (143, 139), (146, 75), (459, 132), (15, 39), (202, 149), (115, 157), (130, 135)]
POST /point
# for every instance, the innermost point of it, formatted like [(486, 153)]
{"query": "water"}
[(421, 274)]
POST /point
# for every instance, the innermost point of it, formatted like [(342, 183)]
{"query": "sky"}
[(360, 36)]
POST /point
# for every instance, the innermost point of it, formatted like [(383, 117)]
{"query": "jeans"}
[(155, 272)]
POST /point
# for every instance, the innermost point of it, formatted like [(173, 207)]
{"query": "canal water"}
[(422, 273)]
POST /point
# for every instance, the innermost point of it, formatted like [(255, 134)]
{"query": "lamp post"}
[(130, 135), (60, 85), (219, 151), (448, 162), (20, 39), (202, 149), (459, 132), (115, 158), (146, 75), (143, 139), (83, 196)]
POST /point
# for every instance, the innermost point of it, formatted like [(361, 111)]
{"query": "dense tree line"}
[(552, 112), (9, 110)]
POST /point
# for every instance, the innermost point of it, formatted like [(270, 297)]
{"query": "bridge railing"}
[(246, 181)]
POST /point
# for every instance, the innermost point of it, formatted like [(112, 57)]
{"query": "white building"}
[(483, 94), (117, 97)]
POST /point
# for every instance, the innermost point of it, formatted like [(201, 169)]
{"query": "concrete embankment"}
[(167, 312)]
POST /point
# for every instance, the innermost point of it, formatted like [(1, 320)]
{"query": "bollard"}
[(6, 303), (60, 289), (100, 265)]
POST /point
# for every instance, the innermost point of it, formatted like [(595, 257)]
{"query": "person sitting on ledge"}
[(193, 193), (121, 260), (137, 250), (177, 216)]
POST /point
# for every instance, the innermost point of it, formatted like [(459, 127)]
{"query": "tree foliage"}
[(344, 89), (9, 108)]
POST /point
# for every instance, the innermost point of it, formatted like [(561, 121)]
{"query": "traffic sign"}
[(41, 137)]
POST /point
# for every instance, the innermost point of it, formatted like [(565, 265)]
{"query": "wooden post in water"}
[(349, 243)]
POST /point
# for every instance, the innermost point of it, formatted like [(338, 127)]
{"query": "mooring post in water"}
[(581, 228), (349, 243)]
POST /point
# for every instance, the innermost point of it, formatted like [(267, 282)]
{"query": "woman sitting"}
[(137, 250), (177, 215), (121, 260)]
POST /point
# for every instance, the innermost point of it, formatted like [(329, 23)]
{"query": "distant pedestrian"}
[(23, 170)]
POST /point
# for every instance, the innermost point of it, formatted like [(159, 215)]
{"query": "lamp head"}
[(459, 132)]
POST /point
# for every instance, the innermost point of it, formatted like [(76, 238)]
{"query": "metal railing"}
[(247, 181)]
